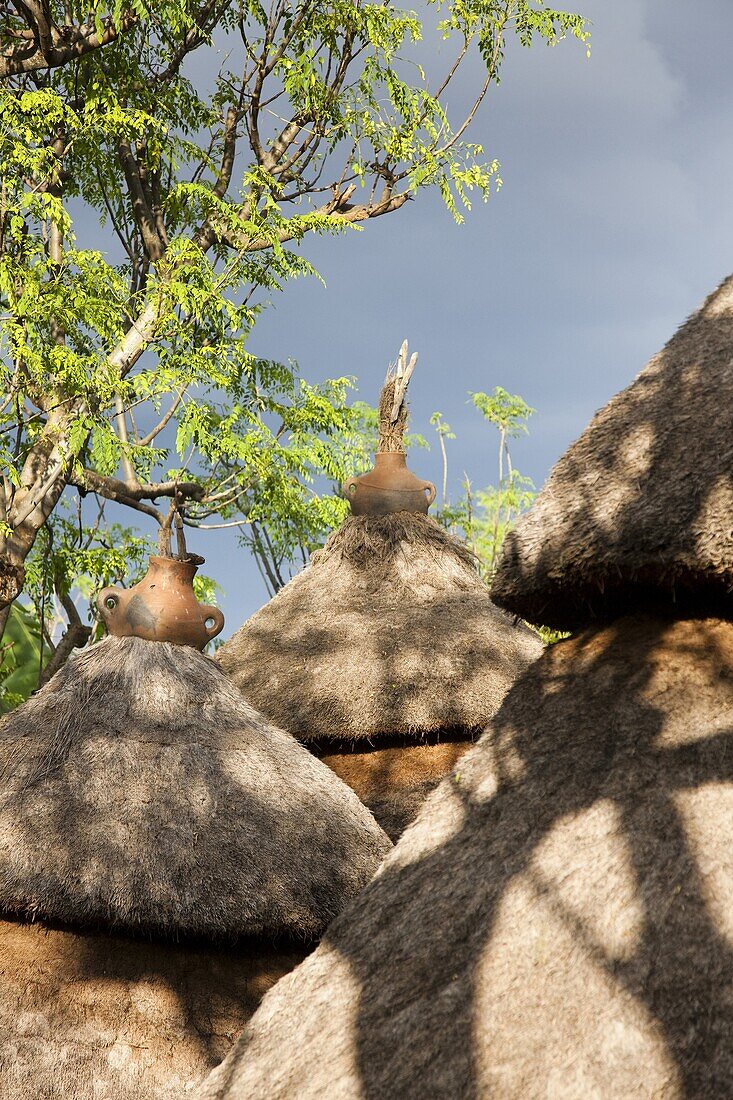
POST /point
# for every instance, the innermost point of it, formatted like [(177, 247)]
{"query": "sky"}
[(613, 222)]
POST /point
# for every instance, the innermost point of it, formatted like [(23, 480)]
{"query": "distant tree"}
[(145, 216), (444, 432), (482, 517)]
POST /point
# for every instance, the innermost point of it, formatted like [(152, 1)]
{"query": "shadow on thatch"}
[(163, 835), (140, 792), (388, 635), (558, 920), (389, 630), (637, 512), (410, 674), (434, 674)]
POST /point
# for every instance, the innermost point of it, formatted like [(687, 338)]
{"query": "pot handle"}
[(430, 490), (108, 601), (210, 612), (349, 487)]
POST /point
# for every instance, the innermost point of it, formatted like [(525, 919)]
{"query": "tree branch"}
[(265, 563), (75, 636), (148, 439), (143, 214), (134, 495), (51, 46), (36, 499), (338, 209), (207, 18), (230, 149)]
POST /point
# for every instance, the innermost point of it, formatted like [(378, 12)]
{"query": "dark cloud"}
[(612, 224)]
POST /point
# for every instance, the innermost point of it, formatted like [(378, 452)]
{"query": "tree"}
[(21, 658), (143, 218), (483, 517)]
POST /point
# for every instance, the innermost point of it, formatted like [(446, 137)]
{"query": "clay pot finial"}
[(162, 607), (391, 486)]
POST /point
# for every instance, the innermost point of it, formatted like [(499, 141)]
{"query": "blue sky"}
[(613, 223)]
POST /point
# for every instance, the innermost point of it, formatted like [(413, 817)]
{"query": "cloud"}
[(613, 223)]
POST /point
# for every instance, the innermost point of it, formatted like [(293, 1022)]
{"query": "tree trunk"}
[(11, 582), (34, 504)]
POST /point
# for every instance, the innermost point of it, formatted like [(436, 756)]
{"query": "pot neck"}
[(390, 458), (182, 567)]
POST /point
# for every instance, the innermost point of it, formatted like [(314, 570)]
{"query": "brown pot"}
[(162, 607), (389, 487)]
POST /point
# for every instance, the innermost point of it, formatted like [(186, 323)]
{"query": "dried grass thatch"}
[(388, 631), (385, 644), (558, 921), (393, 408), (395, 781), (638, 511), (392, 422), (87, 1016), (140, 792)]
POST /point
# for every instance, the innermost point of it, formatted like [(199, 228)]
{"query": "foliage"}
[(72, 554), (507, 411), (550, 636), (20, 657), (483, 517), (146, 218)]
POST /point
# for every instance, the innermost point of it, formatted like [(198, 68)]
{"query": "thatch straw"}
[(557, 923), (389, 630), (391, 432), (139, 791), (393, 409), (93, 1015), (395, 781), (638, 511)]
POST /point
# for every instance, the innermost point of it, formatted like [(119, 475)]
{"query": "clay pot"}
[(389, 487), (162, 607)]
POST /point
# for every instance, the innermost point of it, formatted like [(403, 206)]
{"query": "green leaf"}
[(20, 651)]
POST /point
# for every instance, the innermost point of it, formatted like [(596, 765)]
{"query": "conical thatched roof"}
[(557, 922), (388, 630), (639, 509), (140, 792)]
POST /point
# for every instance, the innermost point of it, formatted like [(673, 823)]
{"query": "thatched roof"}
[(92, 1016), (139, 791), (557, 922), (389, 629), (638, 510), (395, 781)]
